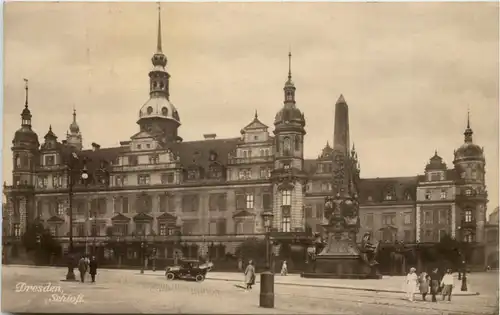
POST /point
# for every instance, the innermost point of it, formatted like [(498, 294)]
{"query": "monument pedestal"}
[(341, 259)]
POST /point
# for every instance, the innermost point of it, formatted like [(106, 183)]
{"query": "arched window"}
[(261, 152), (286, 146), (289, 96), (164, 111), (18, 161), (149, 110)]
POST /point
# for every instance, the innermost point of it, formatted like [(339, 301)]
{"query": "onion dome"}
[(435, 163), (289, 114), (469, 150), (25, 134), (73, 127), (159, 107)]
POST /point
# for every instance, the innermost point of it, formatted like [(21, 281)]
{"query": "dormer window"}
[(286, 166), (407, 195), (49, 160), (215, 171), (139, 147)]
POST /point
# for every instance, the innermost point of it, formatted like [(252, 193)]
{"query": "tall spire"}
[(158, 42), (289, 64), (289, 86), (26, 89), (468, 131)]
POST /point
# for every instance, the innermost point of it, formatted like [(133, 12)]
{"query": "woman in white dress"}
[(411, 284)]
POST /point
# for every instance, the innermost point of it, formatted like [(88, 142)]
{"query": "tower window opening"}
[(150, 110), (164, 111), (162, 85)]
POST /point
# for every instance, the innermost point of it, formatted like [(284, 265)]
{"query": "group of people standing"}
[(434, 283), (87, 265)]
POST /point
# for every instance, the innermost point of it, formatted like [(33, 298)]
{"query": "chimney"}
[(95, 146), (210, 136)]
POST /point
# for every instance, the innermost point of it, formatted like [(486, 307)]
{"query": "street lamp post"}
[(267, 216), (70, 276), (267, 278), (38, 242), (142, 256)]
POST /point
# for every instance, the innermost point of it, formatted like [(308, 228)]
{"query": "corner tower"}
[(288, 176), (74, 136), (471, 195), (158, 116)]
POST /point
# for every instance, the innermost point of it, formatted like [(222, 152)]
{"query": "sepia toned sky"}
[(408, 72)]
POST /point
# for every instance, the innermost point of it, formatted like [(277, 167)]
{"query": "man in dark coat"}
[(435, 277), (82, 267), (93, 268)]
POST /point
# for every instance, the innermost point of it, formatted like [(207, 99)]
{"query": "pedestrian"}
[(284, 269), (82, 267), (424, 284), (250, 275), (411, 284), (93, 268), (435, 280), (448, 284)]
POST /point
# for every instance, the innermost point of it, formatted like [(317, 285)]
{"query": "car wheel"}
[(199, 278), (170, 276)]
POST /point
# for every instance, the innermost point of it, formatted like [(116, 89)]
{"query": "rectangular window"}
[(319, 210), (60, 208), (120, 229), (124, 204), (443, 217), (17, 230), (133, 160), (468, 216), (369, 220), (435, 177), (49, 160), (163, 203), (80, 229), (101, 205), (428, 217), (221, 227), (249, 201), (444, 194), (189, 227), (163, 229), (56, 181), (286, 224), (308, 211), (43, 181), (286, 198), (263, 172), (428, 195), (121, 180), (388, 219), (240, 202), (407, 218), (171, 204), (143, 179), (267, 202), (428, 236), (53, 230), (190, 203), (94, 229)]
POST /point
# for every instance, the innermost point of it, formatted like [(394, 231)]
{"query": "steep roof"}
[(376, 188), (198, 152)]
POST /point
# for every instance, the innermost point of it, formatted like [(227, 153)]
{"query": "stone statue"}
[(369, 250)]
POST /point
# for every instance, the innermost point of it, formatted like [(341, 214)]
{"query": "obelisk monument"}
[(341, 257)]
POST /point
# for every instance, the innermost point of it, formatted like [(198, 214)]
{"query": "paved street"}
[(127, 291)]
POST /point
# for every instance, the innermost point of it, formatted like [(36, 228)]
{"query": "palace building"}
[(217, 189)]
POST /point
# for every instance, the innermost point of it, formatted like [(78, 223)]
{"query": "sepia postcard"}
[(250, 158)]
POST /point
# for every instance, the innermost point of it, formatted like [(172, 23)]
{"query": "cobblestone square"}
[(27, 289)]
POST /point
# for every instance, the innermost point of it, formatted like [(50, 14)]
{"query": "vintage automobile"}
[(189, 270)]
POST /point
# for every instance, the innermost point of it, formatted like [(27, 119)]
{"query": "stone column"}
[(23, 206), (453, 220), (480, 218), (417, 223)]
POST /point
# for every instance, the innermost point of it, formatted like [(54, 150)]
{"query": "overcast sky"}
[(408, 72)]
